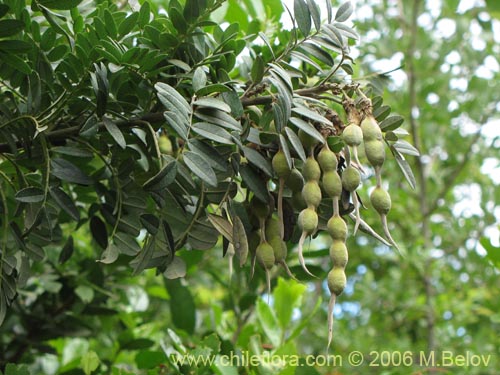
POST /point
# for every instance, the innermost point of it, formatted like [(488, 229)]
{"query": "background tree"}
[(101, 161)]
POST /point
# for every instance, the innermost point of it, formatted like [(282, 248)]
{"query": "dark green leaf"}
[(222, 225), (30, 195), (115, 132), (179, 124), (144, 14), (256, 158), (344, 12), (67, 171), (302, 16), (128, 24), (163, 178), (315, 13), (210, 153), (15, 62), (3, 11), (10, 27), (60, 4), (67, 251), (381, 112), (99, 231), (254, 182), (64, 201), (200, 167), (151, 223), (213, 88), (35, 252), (286, 151)]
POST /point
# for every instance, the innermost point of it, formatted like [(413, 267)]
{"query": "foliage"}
[(136, 135)]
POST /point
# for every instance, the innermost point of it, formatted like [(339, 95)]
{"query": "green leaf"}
[(110, 255), (258, 68), (240, 241), (179, 124), (144, 14), (182, 306), (213, 88), (90, 362), (128, 24), (85, 293), (10, 27), (213, 103), (315, 13), (296, 143), (217, 117), (200, 167), (344, 12), (148, 359), (99, 231), (64, 201), (269, 323), (176, 269), (67, 251), (406, 148), (11, 368), (15, 62), (381, 112), (199, 79), (256, 158), (222, 225), (307, 128), (172, 100), (67, 171), (404, 166), (254, 182), (492, 252), (60, 4), (287, 295), (213, 132), (163, 178), (302, 16), (30, 195), (115, 132), (310, 114), (4, 9)]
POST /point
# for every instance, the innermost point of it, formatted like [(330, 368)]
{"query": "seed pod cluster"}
[(311, 193)]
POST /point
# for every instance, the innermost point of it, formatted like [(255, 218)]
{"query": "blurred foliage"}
[(91, 169)]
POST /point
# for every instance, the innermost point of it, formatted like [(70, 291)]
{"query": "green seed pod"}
[(265, 255), (272, 227), (280, 165), (260, 209), (306, 140), (311, 170), (332, 184), (352, 135), (295, 181), (336, 281), (338, 254), (298, 201), (311, 194), (381, 201), (308, 220), (375, 152), (279, 248), (337, 228), (351, 178), (327, 160), (371, 130)]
